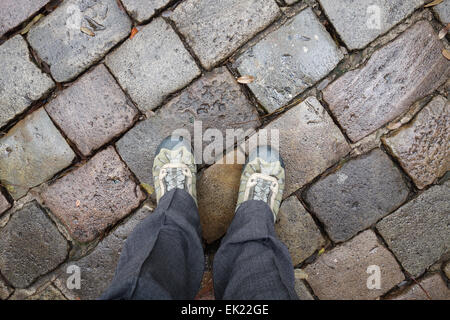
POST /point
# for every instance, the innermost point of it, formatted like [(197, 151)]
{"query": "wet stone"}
[(215, 99), (426, 218), (152, 65), (97, 268), (341, 274), (4, 203), (289, 60), (217, 190), (93, 197), (443, 11), (32, 152), (434, 285), (309, 142), (92, 111), (143, 10), (215, 29), (21, 81), (30, 246), (297, 230), (5, 290), (14, 12), (357, 195), (59, 41), (302, 291), (423, 146), (360, 22), (397, 75)]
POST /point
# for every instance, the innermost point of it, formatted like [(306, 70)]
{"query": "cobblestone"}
[(93, 197), (5, 290), (14, 12), (341, 273), (297, 230), (97, 268), (425, 218), (443, 11), (92, 111), (4, 203), (32, 152), (143, 10), (358, 194), (152, 65), (30, 246), (309, 143), (214, 35), (405, 70), (435, 287), (423, 147), (21, 82), (359, 23), (59, 40), (302, 291), (289, 60), (215, 99), (48, 293)]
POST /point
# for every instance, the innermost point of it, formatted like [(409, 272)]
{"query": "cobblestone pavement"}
[(358, 92)]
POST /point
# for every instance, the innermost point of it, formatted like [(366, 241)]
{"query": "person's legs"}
[(252, 263), (163, 257)]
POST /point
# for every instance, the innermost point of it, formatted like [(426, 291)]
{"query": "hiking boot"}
[(263, 178), (174, 167)]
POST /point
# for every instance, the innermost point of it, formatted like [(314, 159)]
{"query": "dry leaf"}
[(32, 22), (446, 53), (245, 79), (133, 32), (433, 3), (148, 188), (77, 203), (87, 31), (444, 31)]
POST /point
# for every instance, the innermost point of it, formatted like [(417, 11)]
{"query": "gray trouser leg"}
[(251, 262), (163, 257)]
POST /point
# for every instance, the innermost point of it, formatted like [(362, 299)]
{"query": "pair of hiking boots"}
[(262, 177)]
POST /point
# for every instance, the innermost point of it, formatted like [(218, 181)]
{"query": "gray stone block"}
[(423, 146), (21, 81), (396, 76), (143, 10), (30, 246), (14, 12), (92, 111), (419, 232), (289, 60), (360, 22), (152, 65), (59, 40), (357, 195), (215, 29), (32, 152), (297, 230), (98, 267)]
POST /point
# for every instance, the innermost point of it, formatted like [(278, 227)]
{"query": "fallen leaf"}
[(148, 188), (245, 79), (87, 31), (321, 251), (32, 22), (300, 274), (77, 203), (446, 53), (444, 31), (133, 32), (433, 3)]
